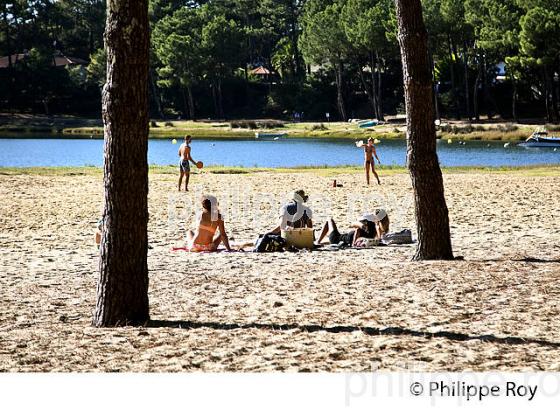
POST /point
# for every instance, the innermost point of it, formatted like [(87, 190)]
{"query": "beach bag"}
[(398, 238), (270, 243), (299, 238)]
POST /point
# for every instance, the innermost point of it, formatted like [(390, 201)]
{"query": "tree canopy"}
[(488, 57)]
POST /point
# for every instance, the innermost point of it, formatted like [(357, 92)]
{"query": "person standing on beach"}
[(184, 162), (369, 154)]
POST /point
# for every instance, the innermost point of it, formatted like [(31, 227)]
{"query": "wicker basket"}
[(301, 238)]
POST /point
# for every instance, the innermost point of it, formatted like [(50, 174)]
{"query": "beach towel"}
[(367, 243)]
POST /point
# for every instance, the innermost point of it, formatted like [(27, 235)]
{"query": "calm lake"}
[(280, 153)]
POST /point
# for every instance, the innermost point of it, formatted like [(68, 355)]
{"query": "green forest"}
[(228, 59)]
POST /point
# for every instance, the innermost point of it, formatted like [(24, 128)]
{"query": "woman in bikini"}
[(210, 221), (369, 154)]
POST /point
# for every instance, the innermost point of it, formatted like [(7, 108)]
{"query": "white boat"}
[(270, 135), (541, 139)]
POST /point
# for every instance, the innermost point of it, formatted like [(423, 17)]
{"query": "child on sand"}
[(184, 162), (369, 153)]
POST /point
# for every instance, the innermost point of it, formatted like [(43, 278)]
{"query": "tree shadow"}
[(370, 331)]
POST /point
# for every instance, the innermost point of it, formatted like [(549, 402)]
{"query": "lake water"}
[(281, 153)]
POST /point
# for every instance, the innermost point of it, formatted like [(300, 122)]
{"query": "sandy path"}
[(322, 311)]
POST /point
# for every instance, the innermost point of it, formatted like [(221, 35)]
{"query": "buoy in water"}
[(174, 141), (450, 141)]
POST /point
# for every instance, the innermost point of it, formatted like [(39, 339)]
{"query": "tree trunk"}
[(220, 99), (155, 94), (476, 112), (434, 84), (547, 96), (452, 73), (191, 102), (215, 98), (122, 290), (434, 241), (339, 94), (370, 92), (380, 116), (514, 101), (467, 91)]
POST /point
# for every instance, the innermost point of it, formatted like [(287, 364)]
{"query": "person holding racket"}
[(369, 154), (184, 162)]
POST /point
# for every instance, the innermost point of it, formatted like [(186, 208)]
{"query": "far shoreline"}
[(524, 170), (66, 127)]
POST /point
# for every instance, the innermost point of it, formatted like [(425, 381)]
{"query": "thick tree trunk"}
[(122, 290), (434, 241)]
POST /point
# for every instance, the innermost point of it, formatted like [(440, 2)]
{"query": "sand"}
[(352, 310)]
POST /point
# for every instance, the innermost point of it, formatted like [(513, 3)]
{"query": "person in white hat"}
[(370, 225)]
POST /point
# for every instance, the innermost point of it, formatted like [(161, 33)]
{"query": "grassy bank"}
[(540, 170), (69, 127)]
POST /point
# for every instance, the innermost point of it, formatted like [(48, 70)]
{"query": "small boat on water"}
[(541, 139), (367, 123), (270, 135)]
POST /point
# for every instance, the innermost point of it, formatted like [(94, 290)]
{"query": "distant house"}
[(501, 71), (58, 60)]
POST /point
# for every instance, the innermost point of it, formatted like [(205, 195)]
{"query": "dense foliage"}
[(490, 57)]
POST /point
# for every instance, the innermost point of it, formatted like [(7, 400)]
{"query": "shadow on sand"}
[(370, 331)]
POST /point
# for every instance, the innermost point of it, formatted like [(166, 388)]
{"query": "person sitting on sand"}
[(372, 226), (184, 162), (204, 239), (98, 233), (294, 213), (369, 153)]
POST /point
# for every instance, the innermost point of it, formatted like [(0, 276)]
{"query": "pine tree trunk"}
[(191, 102), (370, 92), (476, 112), (467, 91), (379, 95), (339, 93), (432, 218), (514, 101), (122, 290), (155, 94)]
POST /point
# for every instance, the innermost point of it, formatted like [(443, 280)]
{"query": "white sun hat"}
[(376, 216)]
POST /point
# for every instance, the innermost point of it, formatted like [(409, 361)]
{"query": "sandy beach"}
[(349, 310)]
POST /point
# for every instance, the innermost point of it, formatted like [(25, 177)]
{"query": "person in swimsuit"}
[(184, 162), (369, 154), (210, 221), (372, 226)]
